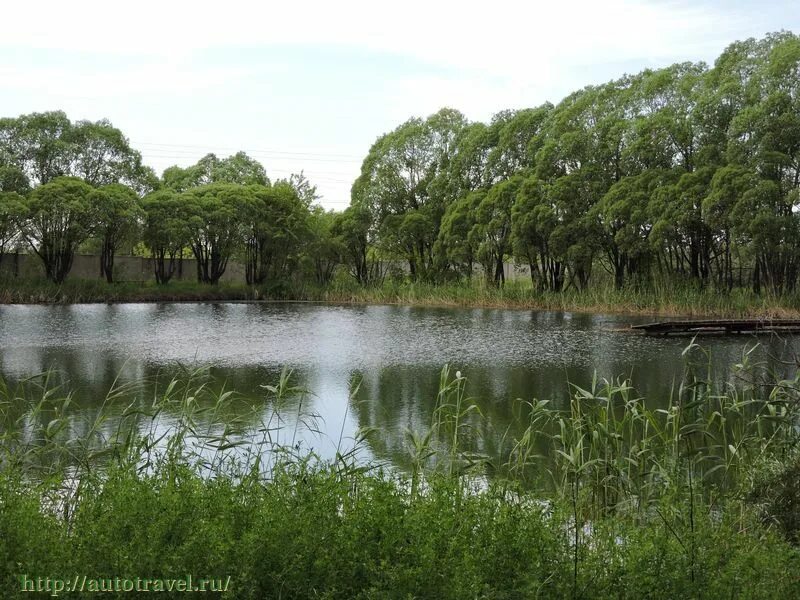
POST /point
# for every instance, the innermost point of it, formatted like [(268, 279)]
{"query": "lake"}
[(364, 366)]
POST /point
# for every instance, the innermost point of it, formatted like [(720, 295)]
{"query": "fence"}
[(140, 269), (126, 268)]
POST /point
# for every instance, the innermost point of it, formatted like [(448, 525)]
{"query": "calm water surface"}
[(396, 353)]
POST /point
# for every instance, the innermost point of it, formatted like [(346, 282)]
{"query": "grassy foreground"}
[(661, 299), (606, 499)]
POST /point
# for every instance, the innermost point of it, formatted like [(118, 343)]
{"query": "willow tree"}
[(165, 232), (492, 230), (454, 249), (275, 229), (238, 169), (623, 214), (322, 248), (396, 185), (765, 138), (218, 215), (13, 185), (118, 219), (534, 218), (353, 229), (60, 215), (12, 213), (44, 146)]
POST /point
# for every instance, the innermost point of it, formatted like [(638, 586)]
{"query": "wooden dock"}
[(720, 326)]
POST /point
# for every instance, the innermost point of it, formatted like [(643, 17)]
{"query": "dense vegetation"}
[(608, 498), (685, 174)]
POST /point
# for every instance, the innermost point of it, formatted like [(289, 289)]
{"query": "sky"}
[(310, 85)]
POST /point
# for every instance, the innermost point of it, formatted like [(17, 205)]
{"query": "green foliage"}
[(687, 174), (491, 234), (118, 219), (453, 247), (639, 502), (59, 215), (775, 490), (237, 169), (353, 229), (44, 146), (12, 179), (323, 248), (398, 185), (217, 219), (277, 231), (166, 231), (622, 175), (12, 213)]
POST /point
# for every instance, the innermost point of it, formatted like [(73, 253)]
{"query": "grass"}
[(661, 298), (608, 498)]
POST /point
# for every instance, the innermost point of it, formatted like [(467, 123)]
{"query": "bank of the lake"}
[(632, 503), (657, 300)]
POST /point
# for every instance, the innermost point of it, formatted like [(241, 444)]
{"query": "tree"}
[(764, 138), (534, 218), (38, 145), (218, 217), (118, 218), (12, 179), (166, 231), (766, 219), (238, 169), (323, 249), (728, 186), (306, 191), (624, 217), (12, 212), (517, 140), (352, 228), (60, 215), (398, 180), (468, 167), (454, 247), (102, 155), (492, 230), (44, 146), (274, 233)]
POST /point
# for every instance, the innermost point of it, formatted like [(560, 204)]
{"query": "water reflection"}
[(391, 355)]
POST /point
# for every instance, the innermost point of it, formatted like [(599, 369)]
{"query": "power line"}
[(254, 154), (325, 174), (190, 148)]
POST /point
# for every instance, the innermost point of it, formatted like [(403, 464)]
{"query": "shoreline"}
[(657, 303)]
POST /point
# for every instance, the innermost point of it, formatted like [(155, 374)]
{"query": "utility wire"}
[(188, 148)]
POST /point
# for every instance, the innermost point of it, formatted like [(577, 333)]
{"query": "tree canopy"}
[(688, 173)]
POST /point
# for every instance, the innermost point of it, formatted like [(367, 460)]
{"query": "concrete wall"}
[(136, 268), (126, 268)]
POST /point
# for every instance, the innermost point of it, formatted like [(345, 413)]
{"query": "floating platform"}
[(720, 326)]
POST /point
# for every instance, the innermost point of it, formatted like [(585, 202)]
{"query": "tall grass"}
[(658, 298), (610, 497)]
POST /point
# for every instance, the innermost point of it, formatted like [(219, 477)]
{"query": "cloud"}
[(501, 36), (330, 77)]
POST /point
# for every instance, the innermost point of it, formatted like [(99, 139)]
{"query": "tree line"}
[(65, 186), (686, 173)]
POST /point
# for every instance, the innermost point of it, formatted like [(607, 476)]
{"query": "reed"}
[(658, 298), (609, 497)]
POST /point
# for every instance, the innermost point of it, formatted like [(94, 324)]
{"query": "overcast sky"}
[(310, 85)]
